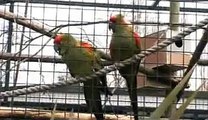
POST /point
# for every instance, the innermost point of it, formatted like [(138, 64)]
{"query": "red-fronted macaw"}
[(124, 44), (82, 59)]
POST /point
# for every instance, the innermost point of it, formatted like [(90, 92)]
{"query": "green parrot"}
[(124, 44), (83, 59)]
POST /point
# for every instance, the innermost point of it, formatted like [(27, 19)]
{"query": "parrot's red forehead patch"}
[(58, 39), (113, 19)]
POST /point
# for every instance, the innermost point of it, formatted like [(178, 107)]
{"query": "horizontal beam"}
[(184, 0), (105, 5), (163, 78), (30, 58), (154, 92), (143, 111), (203, 62)]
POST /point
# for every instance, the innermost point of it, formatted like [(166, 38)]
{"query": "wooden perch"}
[(27, 22), (38, 114), (36, 58), (40, 58)]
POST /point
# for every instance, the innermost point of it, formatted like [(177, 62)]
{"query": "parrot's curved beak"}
[(111, 26), (56, 48)]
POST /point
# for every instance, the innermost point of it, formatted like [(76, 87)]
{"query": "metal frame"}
[(189, 114), (105, 5)]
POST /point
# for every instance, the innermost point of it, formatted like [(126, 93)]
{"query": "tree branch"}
[(31, 58), (34, 25)]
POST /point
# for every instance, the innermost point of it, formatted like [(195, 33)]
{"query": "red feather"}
[(113, 19), (87, 46), (137, 39), (57, 39)]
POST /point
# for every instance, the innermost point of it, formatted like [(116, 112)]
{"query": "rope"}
[(113, 67)]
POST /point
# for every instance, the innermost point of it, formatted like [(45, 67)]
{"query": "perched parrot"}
[(82, 59), (124, 44)]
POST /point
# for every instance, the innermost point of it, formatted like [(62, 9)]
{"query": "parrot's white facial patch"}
[(127, 22)]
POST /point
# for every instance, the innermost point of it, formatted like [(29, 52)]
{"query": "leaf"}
[(183, 107), (172, 96)]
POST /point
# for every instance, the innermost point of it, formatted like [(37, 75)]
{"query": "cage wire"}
[(28, 59)]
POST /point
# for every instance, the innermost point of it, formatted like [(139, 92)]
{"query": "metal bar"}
[(9, 48), (154, 92), (105, 5), (184, 0), (155, 3), (188, 0), (174, 15), (8, 1), (21, 44), (4, 2), (203, 62)]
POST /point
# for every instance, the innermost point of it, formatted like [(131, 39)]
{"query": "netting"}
[(33, 75)]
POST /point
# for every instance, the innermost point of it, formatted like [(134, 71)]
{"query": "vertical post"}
[(174, 29), (174, 14), (21, 44), (9, 49), (174, 19)]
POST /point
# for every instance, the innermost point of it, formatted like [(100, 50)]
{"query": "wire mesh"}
[(150, 21)]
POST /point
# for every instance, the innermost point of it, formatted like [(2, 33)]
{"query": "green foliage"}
[(171, 97), (183, 107)]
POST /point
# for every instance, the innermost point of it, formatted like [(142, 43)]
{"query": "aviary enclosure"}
[(36, 83)]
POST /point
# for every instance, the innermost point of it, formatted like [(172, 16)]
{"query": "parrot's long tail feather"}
[(104, 88), (93, 99), (130, 74)]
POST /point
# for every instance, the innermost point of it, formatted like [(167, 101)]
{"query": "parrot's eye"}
[(113, 19), (57, 39)]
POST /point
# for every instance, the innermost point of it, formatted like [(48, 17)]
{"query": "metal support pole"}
[(9, 49)]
